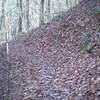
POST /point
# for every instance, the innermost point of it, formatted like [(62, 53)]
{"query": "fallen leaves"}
[(52, 66)]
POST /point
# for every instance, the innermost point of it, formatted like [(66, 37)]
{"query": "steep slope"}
[(59, 60)]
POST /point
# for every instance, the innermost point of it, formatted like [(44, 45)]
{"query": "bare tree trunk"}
[(67, 5), (2, 20), (70, 4), (48, 11), (27, 15), (19, 6), (42, 12), (59, 6)]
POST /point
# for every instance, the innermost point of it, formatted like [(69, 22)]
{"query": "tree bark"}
[(2, 20), (67, 5), (19, 6), (48, 11), (42, 12), (27, 15)]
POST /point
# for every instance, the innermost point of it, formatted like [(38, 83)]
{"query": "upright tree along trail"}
[(59, 60)]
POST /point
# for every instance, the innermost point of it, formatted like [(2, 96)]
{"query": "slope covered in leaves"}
[(59, 60)]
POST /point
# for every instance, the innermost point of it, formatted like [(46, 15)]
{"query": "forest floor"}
[(57, 61)]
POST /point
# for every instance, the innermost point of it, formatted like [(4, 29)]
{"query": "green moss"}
[(85, 47)]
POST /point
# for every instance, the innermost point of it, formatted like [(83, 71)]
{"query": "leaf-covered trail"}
[(48, 63)]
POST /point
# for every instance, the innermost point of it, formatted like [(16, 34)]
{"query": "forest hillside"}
[(59, 60)]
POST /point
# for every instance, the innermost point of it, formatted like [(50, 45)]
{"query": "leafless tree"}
[(48, 10), (27, 15), (67, 5), (2, 20), (42, 12), (19, 6)]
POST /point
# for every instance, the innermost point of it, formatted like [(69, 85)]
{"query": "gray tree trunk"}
[(27, 15), (42, 12), (67, 5), (2, 19), (19, 6), (48, 11)]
